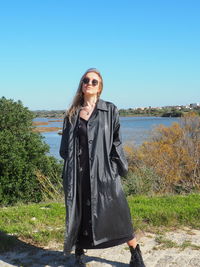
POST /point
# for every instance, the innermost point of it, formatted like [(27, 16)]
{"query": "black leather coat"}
[(110, 213)]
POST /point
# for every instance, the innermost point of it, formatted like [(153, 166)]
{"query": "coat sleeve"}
[(118, 154), (64, 139)]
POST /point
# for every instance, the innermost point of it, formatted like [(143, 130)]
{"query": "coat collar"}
[(101, 104)]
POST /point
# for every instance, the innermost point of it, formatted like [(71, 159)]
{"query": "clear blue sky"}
[(147, 51)]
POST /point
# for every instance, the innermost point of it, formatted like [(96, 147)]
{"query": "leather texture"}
[(136, 257), (110, 213)]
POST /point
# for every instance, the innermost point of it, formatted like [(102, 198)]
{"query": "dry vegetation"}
[(37, 123), (47, 129), (56, 120), (171, 156)]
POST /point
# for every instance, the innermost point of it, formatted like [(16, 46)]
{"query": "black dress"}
[(85, 239)]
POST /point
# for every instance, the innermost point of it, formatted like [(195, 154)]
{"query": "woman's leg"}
[(132, 242), (136, 255)]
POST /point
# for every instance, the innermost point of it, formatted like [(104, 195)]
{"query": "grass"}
[(39, 224), (164, 243), (172, 211)]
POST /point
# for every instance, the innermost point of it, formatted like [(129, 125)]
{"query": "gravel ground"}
[(153, 253)]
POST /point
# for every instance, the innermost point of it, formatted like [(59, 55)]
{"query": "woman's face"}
[(91, 84)]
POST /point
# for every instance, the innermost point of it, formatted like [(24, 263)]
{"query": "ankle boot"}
[(136, 257), (79, 258)]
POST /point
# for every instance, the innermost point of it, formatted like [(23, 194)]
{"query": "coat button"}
[(85, 233), (90, 141), (80, 152), (88, 202), (91, 158)]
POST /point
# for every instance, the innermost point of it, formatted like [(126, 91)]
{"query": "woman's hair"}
[(78, 99)]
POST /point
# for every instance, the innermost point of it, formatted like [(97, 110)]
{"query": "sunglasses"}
[(87, 80)]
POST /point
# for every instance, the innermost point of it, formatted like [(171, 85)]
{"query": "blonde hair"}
[(78, 99)]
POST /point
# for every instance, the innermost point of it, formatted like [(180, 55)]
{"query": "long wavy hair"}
[(78, 99)]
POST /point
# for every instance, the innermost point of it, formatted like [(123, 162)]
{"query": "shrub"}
[(143, 181), (22, 154), (173, 155)]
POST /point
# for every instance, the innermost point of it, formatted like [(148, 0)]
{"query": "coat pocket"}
[(114, 167)]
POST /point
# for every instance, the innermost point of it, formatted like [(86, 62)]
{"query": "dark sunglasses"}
[(87, 80)]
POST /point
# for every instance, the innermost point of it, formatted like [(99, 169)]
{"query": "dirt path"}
[(180, 248)]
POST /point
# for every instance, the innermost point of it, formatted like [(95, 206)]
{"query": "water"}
[(135, 130)]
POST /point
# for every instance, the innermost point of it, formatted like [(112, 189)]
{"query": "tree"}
[(23, 154)]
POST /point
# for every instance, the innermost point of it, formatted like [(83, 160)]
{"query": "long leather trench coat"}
[(110, 213)]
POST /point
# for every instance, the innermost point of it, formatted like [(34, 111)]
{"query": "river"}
[(135, 130)]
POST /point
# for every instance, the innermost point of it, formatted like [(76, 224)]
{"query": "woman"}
[(97, 212)]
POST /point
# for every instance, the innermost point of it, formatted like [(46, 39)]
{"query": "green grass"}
[(164, 243), (38, 224), (149, 213)]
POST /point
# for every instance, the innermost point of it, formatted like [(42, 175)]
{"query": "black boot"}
[(136, 257), (79, 257)]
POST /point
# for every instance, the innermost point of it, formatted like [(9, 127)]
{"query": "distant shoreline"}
[(44, 126), (145, 112), (121, 115)]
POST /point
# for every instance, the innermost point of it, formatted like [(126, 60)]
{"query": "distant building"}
[(194, 105), (187, 106), (177, 107)]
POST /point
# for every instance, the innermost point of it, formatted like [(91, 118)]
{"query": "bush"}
[(23, 154), (173, 155), (143, 181)]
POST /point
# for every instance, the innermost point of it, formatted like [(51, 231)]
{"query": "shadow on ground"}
[(14, 252)]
